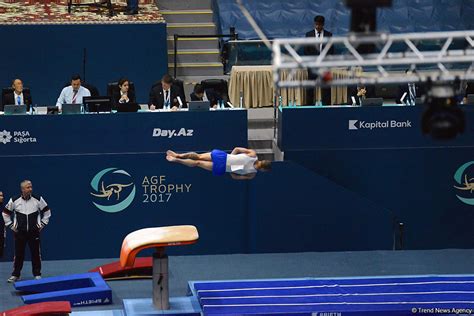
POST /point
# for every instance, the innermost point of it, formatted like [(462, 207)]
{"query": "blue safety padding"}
[(354, 296), (275, 17), (78, 289)]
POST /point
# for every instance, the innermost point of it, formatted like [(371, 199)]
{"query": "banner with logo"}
[(310, 128), (122, 132), (381, 154), (97, 200)]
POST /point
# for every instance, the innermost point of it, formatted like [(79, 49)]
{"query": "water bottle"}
[(280, 101), (222, 104), (241, 99)]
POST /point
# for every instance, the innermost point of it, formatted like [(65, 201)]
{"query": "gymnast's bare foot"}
[(171, 153), (170, 158)]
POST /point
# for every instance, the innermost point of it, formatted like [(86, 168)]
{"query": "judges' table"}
[(256, 85), (381, 153), (145, 132)]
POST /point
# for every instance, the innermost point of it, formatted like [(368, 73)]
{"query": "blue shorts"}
[(219, 160)]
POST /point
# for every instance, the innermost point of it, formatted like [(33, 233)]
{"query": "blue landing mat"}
[(79, 289), (349, 296)]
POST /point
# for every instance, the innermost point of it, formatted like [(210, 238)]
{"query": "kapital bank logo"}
[(114, 188), (464, 183), (357, 124)]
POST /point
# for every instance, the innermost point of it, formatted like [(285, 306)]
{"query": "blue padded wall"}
[(282, 18)]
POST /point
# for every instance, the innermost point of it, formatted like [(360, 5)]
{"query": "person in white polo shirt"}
[(73, 94), (26, 215)]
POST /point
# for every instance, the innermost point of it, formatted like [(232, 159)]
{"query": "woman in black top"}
[(123, 99)]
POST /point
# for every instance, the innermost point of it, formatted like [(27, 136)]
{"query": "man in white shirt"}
[(73, 94)]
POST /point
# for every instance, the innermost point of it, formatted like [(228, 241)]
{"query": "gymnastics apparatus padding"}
[(78, 289), (141, 269), (40, 309)]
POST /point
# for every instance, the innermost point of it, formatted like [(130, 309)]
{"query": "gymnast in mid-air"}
[(241, 163)]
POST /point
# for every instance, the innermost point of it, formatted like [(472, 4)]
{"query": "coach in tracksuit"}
[(26, 215)]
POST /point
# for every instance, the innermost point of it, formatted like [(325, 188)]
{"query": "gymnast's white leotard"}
[(240, 164)]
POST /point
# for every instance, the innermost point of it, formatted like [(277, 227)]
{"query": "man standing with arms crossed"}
[(26, 215)]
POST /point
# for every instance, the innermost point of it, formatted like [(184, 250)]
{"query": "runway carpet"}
[(26, 12), (256, 266)]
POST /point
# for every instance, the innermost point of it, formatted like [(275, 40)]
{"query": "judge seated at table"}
[(210, 95), (165, 93), (18, 96), (124, 98), (73, 94), (360, 93)]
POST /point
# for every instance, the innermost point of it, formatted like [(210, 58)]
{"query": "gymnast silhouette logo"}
[(464, 184), (112, 193)]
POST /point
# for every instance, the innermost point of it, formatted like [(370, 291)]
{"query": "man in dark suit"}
[(318, 32), (210, 95), (165, 95), (18, 96)]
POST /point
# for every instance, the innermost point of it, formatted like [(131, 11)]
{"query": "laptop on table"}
[(71, 108), (372, 102), (12, 109), (199, 105)]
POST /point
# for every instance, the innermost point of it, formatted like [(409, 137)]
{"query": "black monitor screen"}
[(97, 104)]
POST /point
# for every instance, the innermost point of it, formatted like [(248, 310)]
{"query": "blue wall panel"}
[(281, 18), (397, 168)]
